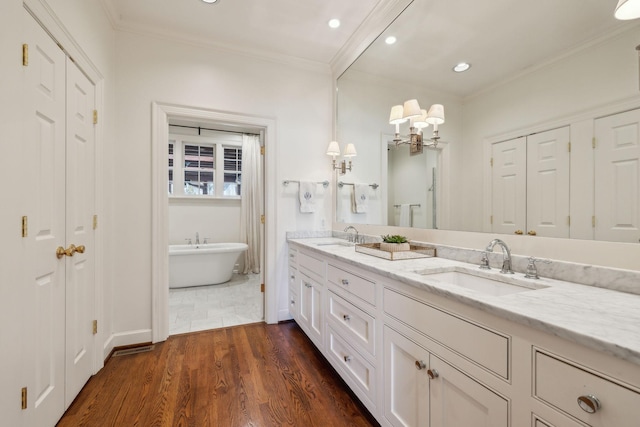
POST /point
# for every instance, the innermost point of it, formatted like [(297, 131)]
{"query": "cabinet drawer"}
[(313, 267), (358, 286), (354, 324), (361, 372), (293, 256), (484, 347), (561, 384)]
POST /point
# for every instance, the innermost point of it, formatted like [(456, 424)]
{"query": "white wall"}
[(150, 69)]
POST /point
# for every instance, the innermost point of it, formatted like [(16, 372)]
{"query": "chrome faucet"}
[(351, 237), (506, 256), (197, 238)]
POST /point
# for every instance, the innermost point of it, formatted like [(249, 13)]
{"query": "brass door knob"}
[(519, 232), (532, 232), (80, 249), (60, 251)]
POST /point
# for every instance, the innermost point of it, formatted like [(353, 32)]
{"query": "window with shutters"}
[(204, 167)]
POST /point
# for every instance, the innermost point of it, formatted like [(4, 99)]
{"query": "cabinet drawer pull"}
[(292, 276), (420, 365), (308, 285), (433, 374), (292, 256), (293, 301), (345, 282), (589, 404), (347, 359), (346, 317)]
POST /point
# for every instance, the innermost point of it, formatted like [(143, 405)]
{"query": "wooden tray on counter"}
[(415, 251)]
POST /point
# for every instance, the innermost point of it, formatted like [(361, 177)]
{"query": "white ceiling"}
[(269, 28), (501, 38)]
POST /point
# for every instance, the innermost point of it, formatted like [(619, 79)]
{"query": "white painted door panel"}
[(80, 146), (548, 183), (509, 186), (406, 390), (44, 186), (617, 177), (458, 400)]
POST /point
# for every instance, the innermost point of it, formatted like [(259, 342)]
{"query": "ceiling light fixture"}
[(418, 120), (461, 67), (390, 40), (334, 23), (627, 9)]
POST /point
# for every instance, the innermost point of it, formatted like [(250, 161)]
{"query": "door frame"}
[(160, 116)]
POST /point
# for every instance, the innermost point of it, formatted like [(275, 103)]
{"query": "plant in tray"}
[(394, 243)]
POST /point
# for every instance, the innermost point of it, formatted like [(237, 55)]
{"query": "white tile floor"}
[(236, 302)]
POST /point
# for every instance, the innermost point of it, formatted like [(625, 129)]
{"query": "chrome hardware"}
[(205, 241), (420, 365), (346, 317), (197, 238), (532, 270), (532, 233), (351, 237), (484, 262), (589, 404), (347, 359), (189, 242), (293, 276), (345, 282), (308, 285), (433, 374), (293, 301), (506, 255), (518, 232), (292, 256)]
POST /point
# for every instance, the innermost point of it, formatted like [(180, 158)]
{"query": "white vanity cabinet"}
[(415, 357), (421, 387)]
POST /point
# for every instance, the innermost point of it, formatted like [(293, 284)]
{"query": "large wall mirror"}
[(536, 67)]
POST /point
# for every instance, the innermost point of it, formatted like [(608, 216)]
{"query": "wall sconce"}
[(418, 120), (334, 150)]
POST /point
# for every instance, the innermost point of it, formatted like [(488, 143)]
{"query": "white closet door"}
[(80, 204), (509, 186), (43, 181), (548, 183), (617, 177)]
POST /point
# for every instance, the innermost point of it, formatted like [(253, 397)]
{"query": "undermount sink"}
[(478, 283), (335, 243)]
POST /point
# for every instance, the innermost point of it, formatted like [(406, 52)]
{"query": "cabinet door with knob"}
[(406, 381), (459, 400), (310, 307)]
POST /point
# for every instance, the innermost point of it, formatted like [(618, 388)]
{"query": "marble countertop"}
[(601, 319)]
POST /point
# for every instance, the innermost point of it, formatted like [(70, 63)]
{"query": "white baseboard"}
[(283, 315)]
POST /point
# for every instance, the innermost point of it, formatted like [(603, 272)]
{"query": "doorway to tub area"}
[(214, 176)]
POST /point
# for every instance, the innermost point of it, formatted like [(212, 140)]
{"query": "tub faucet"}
[(506, 256), (351, 237), (197, 238)]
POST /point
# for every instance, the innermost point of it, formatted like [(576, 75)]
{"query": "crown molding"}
[(382, 15)]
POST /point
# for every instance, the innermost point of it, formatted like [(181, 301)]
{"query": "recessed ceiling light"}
[(334, 23), (463, 66), (390, 40), (209, 1)]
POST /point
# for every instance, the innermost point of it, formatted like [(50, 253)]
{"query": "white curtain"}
[(251, 205)]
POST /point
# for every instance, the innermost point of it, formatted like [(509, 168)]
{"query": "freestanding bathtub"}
[(200, 265)]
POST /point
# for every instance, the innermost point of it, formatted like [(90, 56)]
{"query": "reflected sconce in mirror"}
[(627, 9), (418, 120), (333, 150)]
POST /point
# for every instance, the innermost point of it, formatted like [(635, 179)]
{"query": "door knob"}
[(80, 249), (589, 403), (420, 365), (60, 251), (433, 374), (532, 232), (519, 232)]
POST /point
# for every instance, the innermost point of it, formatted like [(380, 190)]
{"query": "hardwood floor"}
[(251, 375)]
